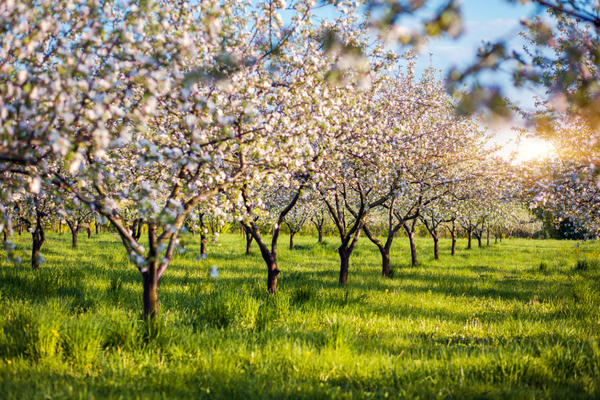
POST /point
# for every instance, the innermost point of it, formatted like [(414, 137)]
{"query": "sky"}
[(490, 20), (484, 20)]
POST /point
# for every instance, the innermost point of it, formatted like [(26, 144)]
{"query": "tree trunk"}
[(453, 237), (133, 229), (5, 236), (202, 242), (292, 240), (268, 255), (488, 235), (150, 279), (344, 263), (272, 273), (35, 254), (436, 252), (270, 258), (319, 225), (469, 236), (38, 237), (96, 227), (59, 227), (384, 249), (89, 232), (413, 249), (249, 239), (478, 240), (385, 261), (74, 233)]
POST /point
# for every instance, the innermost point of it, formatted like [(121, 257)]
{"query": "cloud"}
[(492, 28), (447, 52)]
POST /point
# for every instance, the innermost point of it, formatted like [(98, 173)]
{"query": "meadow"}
[(517, 319)]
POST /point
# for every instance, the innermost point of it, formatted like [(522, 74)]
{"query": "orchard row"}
[(260, 112)]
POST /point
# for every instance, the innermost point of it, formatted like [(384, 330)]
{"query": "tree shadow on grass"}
[(493, 379)]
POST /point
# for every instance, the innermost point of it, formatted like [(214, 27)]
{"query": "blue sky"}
[(489, 20), (484, 20)]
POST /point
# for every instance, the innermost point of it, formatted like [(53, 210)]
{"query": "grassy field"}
[(519, 319)]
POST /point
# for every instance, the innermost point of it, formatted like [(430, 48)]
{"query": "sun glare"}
[(525, 149), (533, 149)]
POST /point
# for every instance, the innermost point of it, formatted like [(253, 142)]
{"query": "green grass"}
[(519, 319)]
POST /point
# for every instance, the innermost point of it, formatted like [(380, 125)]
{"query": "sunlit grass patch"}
[(487, 323)]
